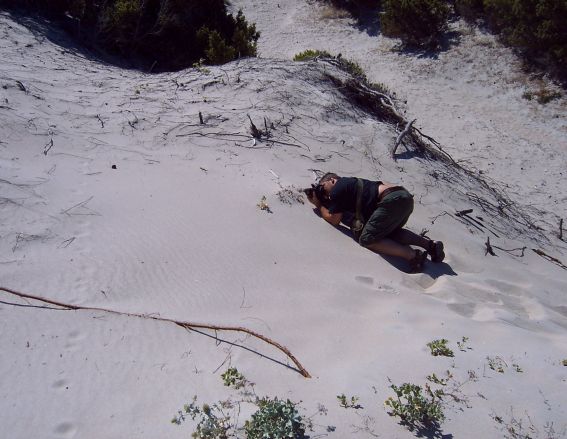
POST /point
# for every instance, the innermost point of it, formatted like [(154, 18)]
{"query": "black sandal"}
[(418, 261), (436, 252)]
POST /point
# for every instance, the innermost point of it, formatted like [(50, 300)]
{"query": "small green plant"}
[(233, 378), (344, 64), (275, 419), (439, 348), (441, 381), (463, 344), (213, 420), (416, 406), (346, 403), (497, 364), (309, 54)]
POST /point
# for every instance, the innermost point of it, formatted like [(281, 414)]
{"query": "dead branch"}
[(100, 120), (561, 229), (463, 212), (256, 133), (550, 258), (201, 119), (47, 147), (512, 250), (488, 248), (186, 325), (21, 86), (401, 136)]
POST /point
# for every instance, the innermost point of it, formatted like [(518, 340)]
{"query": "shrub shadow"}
[(368, 20), (65, 34), (448, 40)]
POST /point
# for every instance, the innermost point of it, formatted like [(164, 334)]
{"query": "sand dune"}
[(115, 196)]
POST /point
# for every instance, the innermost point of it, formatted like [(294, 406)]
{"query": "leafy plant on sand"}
[(439, 348), (417, 407), (161, 34), (214, 422), (463, 344), (233, 378), (348, 403), (309, 54), (497, 364), (275, 419), (418, 23), (344, 64)]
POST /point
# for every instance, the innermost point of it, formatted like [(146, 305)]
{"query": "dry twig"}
[(186, 325)]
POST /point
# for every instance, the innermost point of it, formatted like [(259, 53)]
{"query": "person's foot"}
[(416, 264), (436, 252)]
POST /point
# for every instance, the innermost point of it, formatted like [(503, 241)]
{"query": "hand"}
[(314, 200)]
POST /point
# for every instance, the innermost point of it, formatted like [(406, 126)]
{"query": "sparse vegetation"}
[(543, 95), (417, 407), (233, 378), (263, 204), (439, 348), (213, 421), (348, 403), (497, 364), (156, 34), (274, 418), (463, 344)]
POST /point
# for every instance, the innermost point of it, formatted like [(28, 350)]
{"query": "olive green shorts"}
[(391, 214)]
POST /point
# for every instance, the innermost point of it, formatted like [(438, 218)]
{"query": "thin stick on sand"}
[(186, 325)]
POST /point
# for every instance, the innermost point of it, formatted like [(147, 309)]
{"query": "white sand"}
[(175, 231)]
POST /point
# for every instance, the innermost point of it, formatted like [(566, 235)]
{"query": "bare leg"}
[(392, 248), (407, 237)]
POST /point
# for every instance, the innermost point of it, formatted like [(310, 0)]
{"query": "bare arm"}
[(332, 218)]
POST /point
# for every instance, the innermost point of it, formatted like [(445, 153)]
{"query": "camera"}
[(316, 189)]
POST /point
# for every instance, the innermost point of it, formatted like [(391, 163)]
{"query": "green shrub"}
[(537, 27), (415, 407), (469, 9), (167, 34), (416, 22), (309, 54), (212, 421), (439, 348), (275, 419)]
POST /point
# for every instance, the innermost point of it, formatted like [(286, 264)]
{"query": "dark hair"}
[(328, 176)]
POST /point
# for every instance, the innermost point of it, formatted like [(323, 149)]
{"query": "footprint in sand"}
[(65, 430), (366, 280), (61, 384), (73, 339)]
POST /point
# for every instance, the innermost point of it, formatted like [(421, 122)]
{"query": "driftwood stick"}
[(401, 136), (463, 212), (256, 133), (201, 119), (561, 229), (550, 258), (489, 250), (186, 325)]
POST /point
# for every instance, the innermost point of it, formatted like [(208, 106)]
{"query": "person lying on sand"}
[(386, 208)]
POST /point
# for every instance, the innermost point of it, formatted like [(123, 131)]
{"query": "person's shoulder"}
[(346, 181)]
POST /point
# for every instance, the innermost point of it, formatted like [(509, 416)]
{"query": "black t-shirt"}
[(343, 196)]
